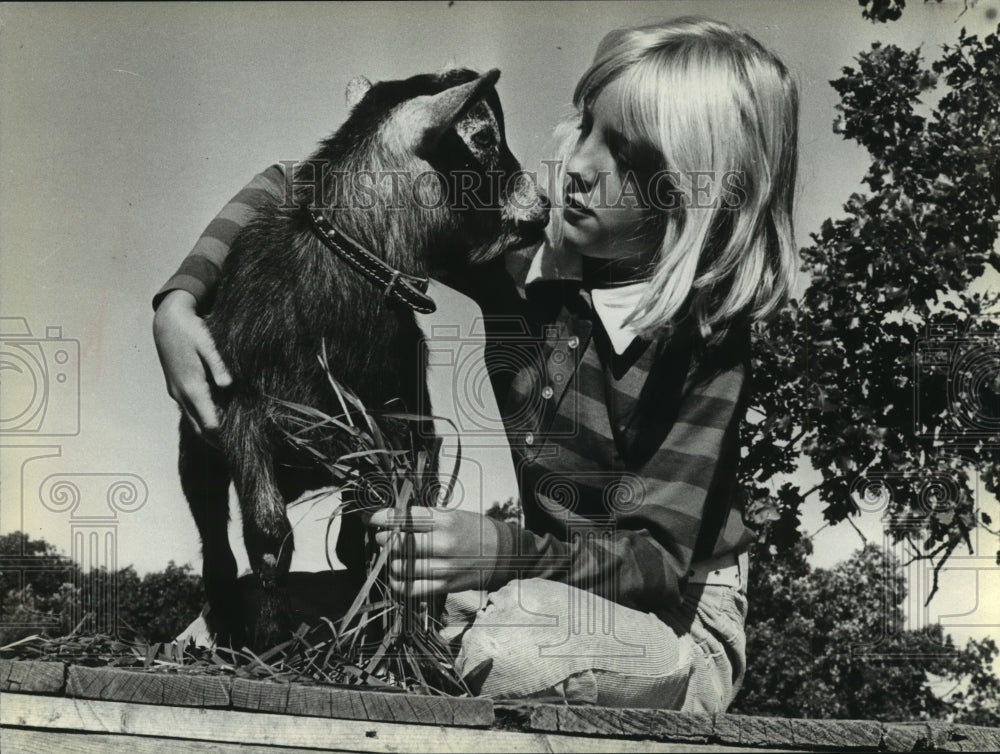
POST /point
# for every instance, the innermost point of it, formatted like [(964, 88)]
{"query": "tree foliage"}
[(161, 604), (830, 643), (36, 587), (881, 11), (885, 375), (46, 592)]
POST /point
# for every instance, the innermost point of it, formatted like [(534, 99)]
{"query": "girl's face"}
[(602, 205)]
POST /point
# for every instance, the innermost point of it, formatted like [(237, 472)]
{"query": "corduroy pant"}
[(546, 640)]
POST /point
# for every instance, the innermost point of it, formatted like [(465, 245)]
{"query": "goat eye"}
[(484, 139)]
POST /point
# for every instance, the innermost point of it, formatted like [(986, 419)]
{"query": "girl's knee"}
[(535, 602), (503, 652)]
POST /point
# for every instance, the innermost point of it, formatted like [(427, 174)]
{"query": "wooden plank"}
[(21, 741), (952, 737), (726, 728), (979, 738), (350, 704), (114, 684), (739, 730), (905, 737), (660, 725), (32, 676), (843, 734), (733, 730), (722, 730), (229, 726), (799, 733), (258, 696), (764, 731)]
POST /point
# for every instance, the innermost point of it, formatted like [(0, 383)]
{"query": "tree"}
[(881, 11), (48, 568), (46, 592), (161, 604), (886, 374), (827, 643), (36, 587)]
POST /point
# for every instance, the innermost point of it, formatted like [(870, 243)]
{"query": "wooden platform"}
[(47, 706)]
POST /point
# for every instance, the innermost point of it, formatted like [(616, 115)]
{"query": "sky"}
[(125, 127)]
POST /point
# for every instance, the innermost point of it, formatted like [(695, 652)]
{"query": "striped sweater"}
[(626, 463), (201, 269)]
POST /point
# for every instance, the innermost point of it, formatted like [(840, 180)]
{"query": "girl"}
[(674, 234)]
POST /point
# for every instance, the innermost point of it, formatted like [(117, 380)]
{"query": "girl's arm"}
[(643, 557), (200, 271), (187, 353)]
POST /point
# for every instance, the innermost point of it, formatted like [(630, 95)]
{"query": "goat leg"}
[(205, 480), (267, 533)]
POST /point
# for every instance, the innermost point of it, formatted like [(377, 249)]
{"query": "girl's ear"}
[(357, 88)]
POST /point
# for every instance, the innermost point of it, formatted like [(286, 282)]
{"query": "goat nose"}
[(535, 215)]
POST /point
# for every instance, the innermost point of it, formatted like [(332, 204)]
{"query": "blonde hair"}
[(713, 101)]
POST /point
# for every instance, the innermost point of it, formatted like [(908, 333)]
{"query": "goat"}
[(418, 177)]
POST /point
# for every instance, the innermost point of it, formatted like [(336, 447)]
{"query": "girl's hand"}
[(188, 356), (451, 550)]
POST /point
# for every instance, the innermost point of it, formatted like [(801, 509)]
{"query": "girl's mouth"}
[(573, 207)]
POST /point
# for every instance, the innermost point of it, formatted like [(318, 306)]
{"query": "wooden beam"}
[(115, 684), (32, 676), (23, 741), (256, 729), (731, 730), (408, 711), (182, 690), (351, 704), (661, 725), (952, 737)]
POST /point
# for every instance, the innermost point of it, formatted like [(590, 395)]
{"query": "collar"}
[(399, 286), (613, 306)]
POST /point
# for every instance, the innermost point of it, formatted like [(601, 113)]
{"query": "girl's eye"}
[(624, 152), (636, 156), (625, 159)]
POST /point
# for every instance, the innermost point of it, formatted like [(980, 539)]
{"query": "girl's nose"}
[(581, 168)]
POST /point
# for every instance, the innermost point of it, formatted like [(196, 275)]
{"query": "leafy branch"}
[(886, 371)]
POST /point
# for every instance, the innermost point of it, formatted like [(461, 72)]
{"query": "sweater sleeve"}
[(201, 269), (642, 554)]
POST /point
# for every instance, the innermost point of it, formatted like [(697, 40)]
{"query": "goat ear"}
[(357, 88), (434, 115)]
